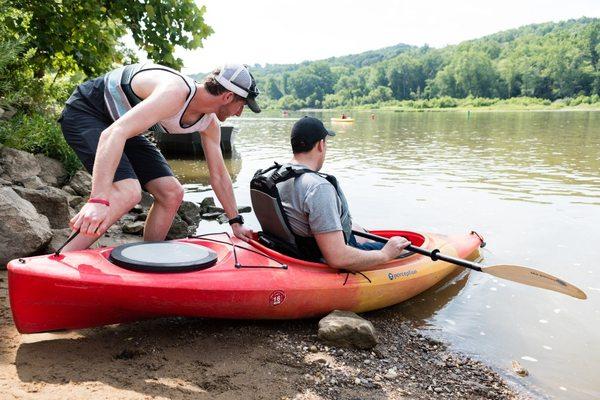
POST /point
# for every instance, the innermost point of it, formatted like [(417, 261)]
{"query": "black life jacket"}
[(277, 232)]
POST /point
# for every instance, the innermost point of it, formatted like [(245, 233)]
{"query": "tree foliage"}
[(548, 61), (67, 36)]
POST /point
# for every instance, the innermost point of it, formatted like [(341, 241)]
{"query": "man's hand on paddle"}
[(394, 247), (92, 219)]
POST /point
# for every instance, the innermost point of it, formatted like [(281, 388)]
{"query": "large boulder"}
[(22, 230), (53, 172), (18, 165), (81, 183), (49, 201), (345, 328)]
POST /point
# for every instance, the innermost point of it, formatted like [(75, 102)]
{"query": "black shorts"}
[(141, 159)]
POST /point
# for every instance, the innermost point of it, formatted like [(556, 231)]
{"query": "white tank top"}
[(120, 98)]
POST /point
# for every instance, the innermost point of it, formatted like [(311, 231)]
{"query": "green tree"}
[(312, 83), (272, 90), (70, 35), (469, 73)]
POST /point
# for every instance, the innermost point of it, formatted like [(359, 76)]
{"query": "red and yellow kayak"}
[(83, 289)]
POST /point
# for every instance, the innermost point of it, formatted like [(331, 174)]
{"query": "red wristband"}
[(99, 201)]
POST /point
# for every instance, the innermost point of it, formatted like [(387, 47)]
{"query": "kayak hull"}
[(342, 119), (82, 289)]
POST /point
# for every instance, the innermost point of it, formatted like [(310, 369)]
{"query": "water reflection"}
[(194, 170), (427, 304)]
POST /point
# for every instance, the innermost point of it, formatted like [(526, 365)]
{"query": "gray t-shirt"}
[(312, 205)]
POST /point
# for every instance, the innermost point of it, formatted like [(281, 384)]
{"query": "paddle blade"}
[(533, 277)]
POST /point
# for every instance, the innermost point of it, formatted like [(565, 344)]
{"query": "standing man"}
[(103, 122)]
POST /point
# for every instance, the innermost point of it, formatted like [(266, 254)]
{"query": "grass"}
[(39, 134)]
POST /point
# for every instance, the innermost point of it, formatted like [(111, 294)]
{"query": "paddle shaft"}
[(433, 254)]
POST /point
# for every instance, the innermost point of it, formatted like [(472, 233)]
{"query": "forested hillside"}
[(547, 61)]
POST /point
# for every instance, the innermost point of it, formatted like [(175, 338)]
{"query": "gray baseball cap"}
[(238, 79)]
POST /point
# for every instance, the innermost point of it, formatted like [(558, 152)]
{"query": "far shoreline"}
[(445, 109)]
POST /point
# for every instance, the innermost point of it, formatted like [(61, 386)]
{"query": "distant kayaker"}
[(344, 116), (315, 208), (103, 121)]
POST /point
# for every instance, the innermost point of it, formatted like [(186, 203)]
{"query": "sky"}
[(281, 32)]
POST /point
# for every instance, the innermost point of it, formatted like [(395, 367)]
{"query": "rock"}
[(81, 183), (147, 199), (244, 209), (69, 190), (179, 229), (313, 349), (207, 201), (74, 201), (212, 209), (32, 182), (134, 228), (115, 237), (222, 219), (4, 182), (141, 217), (391, 374), (23, 230), (49, 201), (18, 165), (189, 212), (7, 112), (137, 209), (213, 215), (345, 328), (519, 369), (53, 172)]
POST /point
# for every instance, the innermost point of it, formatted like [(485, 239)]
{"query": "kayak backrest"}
[(269, 215)]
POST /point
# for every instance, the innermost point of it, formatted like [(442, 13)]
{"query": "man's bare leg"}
[(168, 194), (125, 194)]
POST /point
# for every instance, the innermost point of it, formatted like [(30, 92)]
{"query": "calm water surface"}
[(528, 181)]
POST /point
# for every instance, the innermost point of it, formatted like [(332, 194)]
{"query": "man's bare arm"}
[(220, 180), (339, 255)]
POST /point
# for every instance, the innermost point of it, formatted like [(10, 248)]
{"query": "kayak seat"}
[(275, 234), (165, 257)]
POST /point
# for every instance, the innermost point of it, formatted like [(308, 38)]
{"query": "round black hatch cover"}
[(163, 257)]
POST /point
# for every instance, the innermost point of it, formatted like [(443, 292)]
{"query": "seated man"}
[(304, 213)]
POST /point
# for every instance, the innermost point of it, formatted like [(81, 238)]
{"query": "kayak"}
[(342, 119), (86, 288)]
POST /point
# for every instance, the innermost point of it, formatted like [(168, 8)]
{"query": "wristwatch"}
[(236, 220)]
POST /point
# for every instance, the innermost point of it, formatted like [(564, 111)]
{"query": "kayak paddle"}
[(515, 273)]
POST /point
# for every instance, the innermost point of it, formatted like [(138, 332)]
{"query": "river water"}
[(528, 181)]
